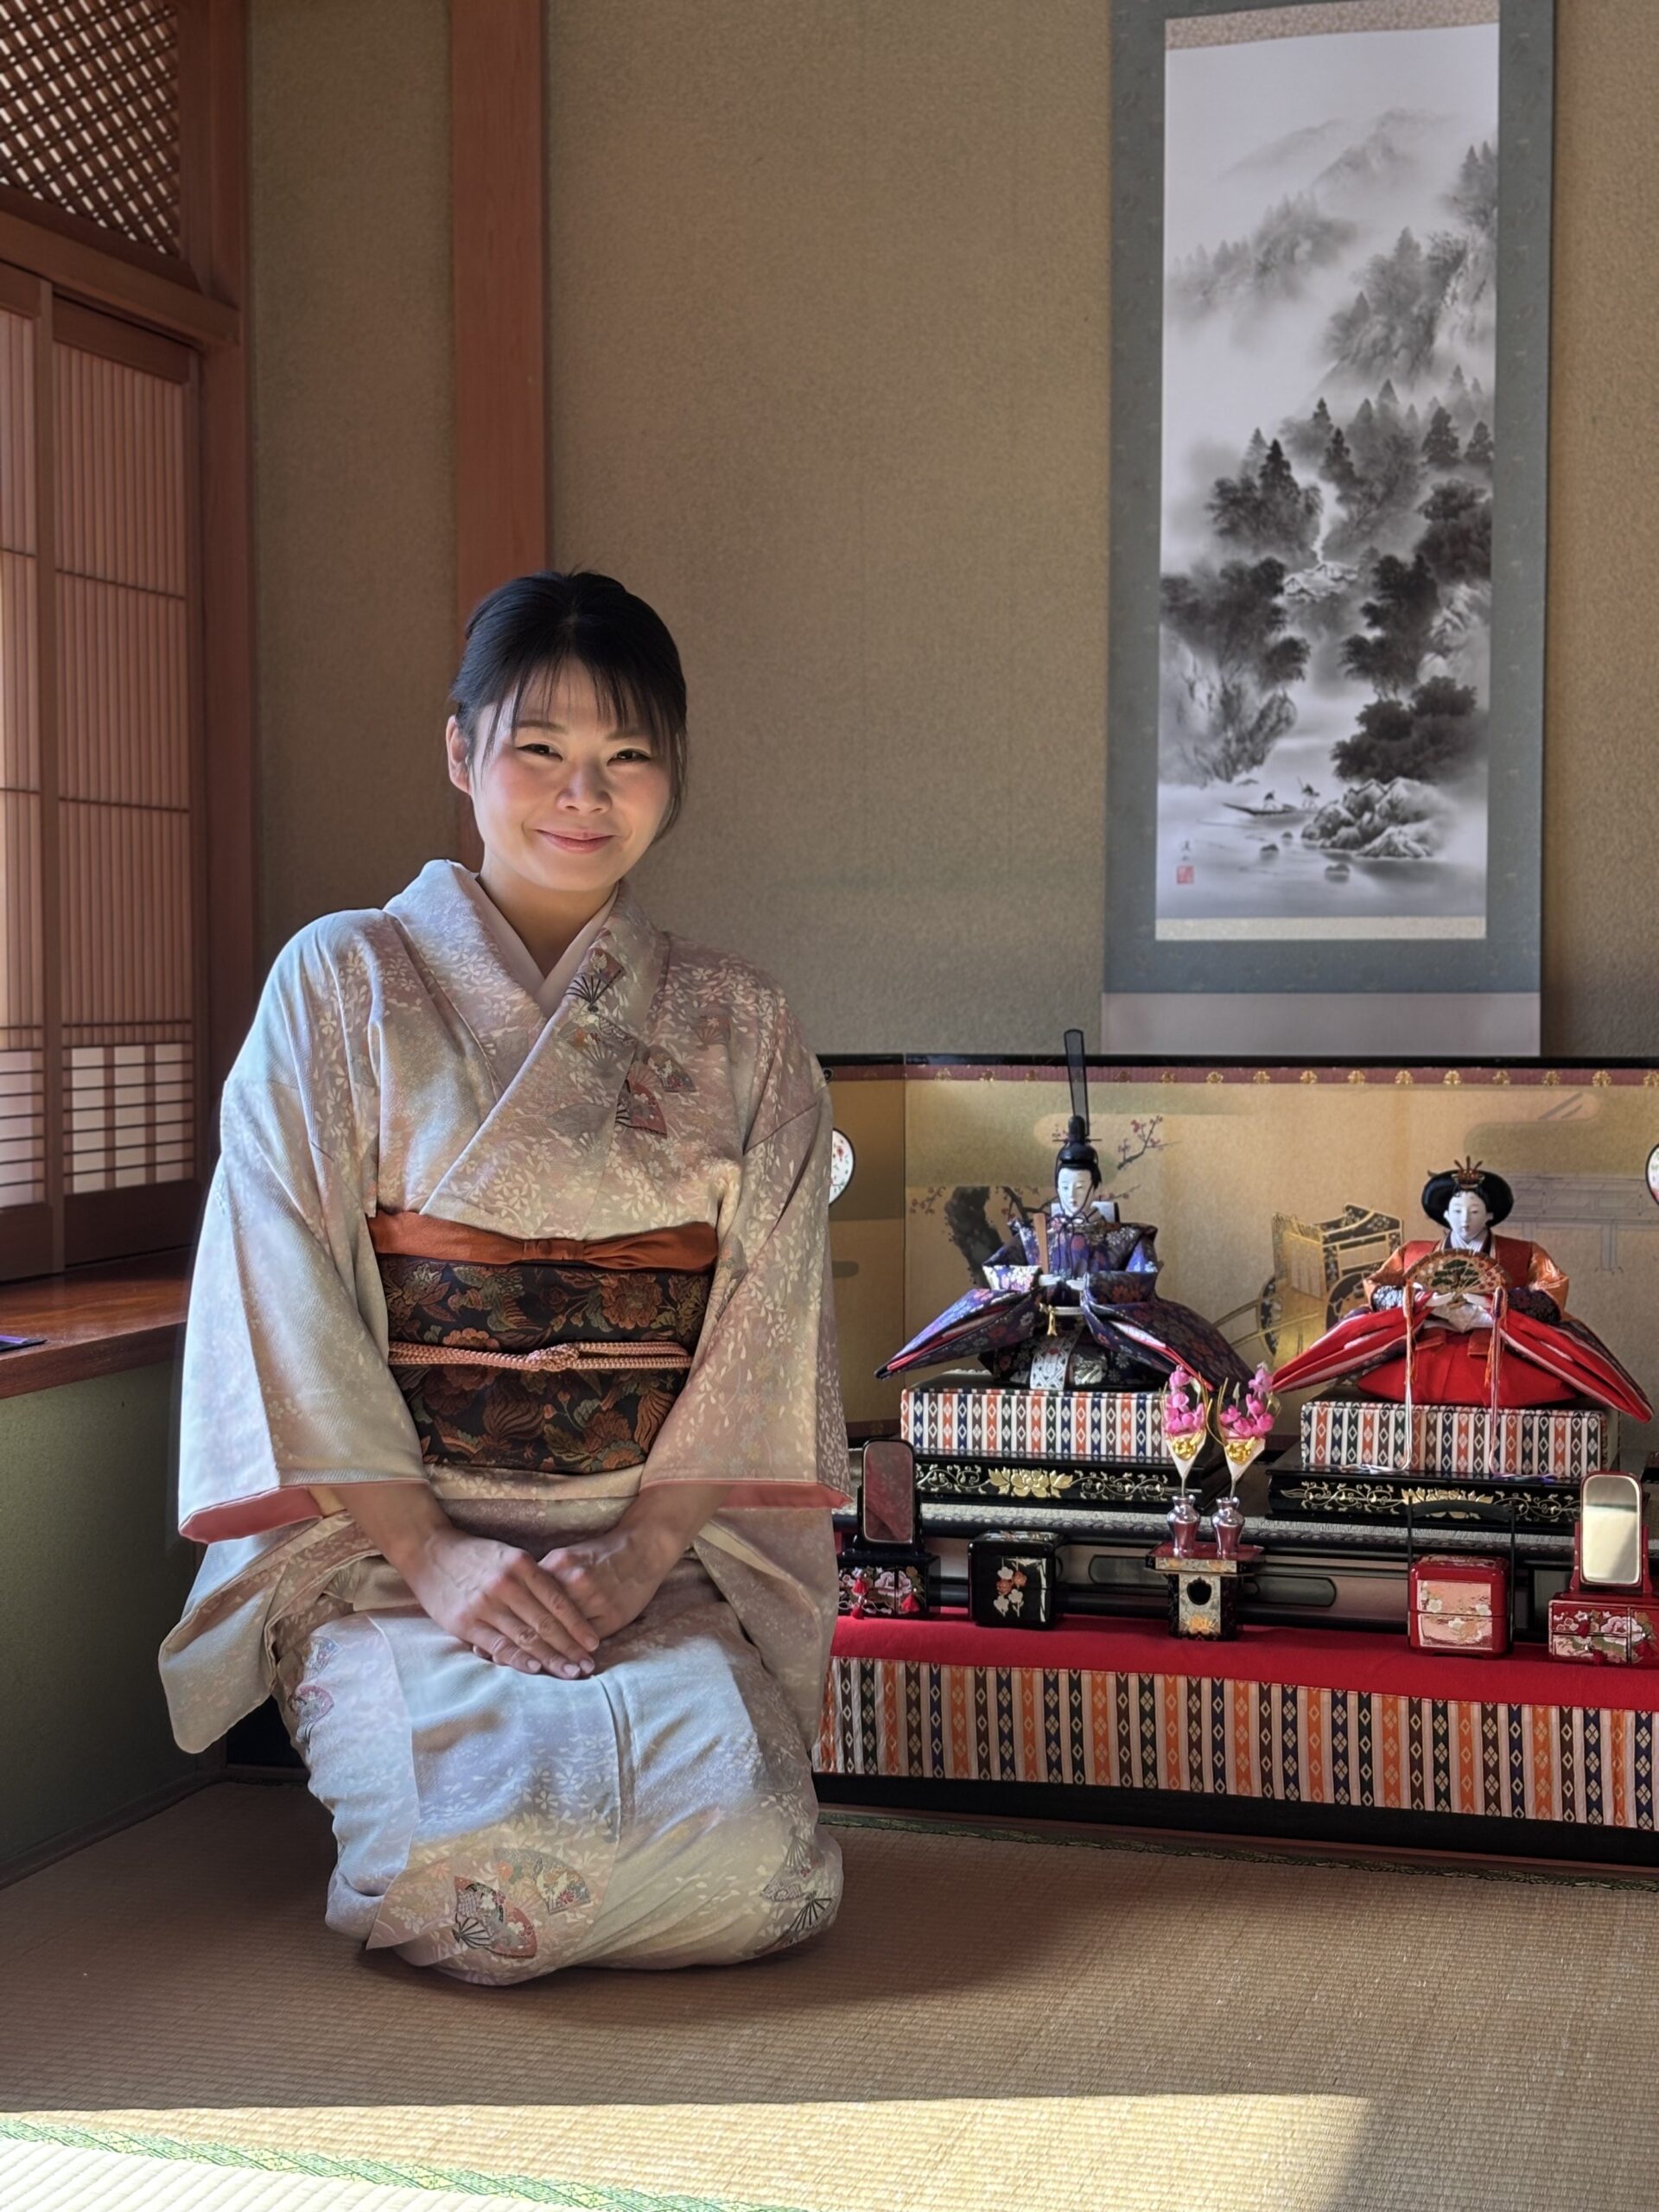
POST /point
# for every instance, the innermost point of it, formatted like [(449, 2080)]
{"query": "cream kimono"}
[(493, 1823)]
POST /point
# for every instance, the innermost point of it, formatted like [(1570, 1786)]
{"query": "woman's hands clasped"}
[(614, 1577), (543, 1617), (503, 1603)]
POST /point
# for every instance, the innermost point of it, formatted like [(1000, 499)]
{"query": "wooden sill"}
[(95, 1321)]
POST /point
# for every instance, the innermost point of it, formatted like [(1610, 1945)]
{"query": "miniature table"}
[(1296, 1716)]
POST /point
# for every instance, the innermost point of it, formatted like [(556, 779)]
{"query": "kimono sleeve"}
[(761, 1407), (285, 1378), (1383, 1288), (1545, 1286)]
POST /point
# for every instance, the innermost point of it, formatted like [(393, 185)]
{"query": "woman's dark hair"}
[(533, 627)]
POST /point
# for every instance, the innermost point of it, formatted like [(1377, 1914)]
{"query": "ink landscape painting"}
[(1329, 426)]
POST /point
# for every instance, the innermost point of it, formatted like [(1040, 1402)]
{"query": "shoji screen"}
[(23, 1015), (99, 1144)]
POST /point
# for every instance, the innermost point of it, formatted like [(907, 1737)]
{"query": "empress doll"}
[(1494, 1331)]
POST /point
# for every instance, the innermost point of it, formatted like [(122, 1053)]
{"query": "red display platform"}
[(1317, 1716), (1326, 1659)]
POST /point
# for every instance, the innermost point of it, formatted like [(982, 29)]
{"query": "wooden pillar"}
[(213, 195), (498, 188)]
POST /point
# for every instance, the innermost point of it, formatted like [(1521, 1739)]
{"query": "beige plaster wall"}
[(829, 350), (353, 447), (829, 367), (1601, 781)]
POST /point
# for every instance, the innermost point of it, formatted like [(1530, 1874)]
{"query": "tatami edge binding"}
[(588, 2197)]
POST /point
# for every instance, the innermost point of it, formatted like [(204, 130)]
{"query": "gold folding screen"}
[(100, 939)]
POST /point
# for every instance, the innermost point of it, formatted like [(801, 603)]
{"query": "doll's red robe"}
[(1544, 1357)]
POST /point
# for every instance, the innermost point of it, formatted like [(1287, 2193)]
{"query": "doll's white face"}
[(1467, 1217), (1073, 1187)]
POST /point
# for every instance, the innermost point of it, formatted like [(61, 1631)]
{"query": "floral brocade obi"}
[(546, 1355)]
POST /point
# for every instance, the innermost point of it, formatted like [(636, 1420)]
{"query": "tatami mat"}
[(45, 2175), (998, 2022)]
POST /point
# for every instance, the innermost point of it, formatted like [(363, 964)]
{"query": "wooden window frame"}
[(132, 303), (99, 1320)]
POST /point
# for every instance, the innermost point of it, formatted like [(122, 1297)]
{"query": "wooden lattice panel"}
[(89, 111), (23, 1034), (123, 756)]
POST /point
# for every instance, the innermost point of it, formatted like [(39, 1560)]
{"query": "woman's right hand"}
[(499, 1600)]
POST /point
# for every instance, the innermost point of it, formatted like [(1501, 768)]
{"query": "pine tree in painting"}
[(1440, 446), (1268, 510), (1339, 463), (1399, 615), (1458, 543)]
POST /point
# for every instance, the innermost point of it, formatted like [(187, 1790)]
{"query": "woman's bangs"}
[(623, 698)]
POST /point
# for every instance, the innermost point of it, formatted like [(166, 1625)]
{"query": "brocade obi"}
[(542, 1355)]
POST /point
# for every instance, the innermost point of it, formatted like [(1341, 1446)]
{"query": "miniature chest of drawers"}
[(1459, 1605)]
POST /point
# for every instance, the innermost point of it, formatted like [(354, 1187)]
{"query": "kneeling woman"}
[(511, 1417)]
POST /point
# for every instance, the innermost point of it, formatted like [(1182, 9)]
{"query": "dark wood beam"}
[(215, 193), (499, 185)]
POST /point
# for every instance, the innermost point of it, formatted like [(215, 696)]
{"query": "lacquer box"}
[(1014, 1579), (1607, 1631), (884, 1579), (1459, 1605)]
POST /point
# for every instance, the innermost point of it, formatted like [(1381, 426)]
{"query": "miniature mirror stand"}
[(885, 1569), (1608, 1615)]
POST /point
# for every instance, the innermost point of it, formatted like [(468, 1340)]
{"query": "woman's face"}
[(1467, 1216), (567, 801)]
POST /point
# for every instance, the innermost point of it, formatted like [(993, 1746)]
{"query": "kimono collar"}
[(612, 990), (546, 990), (536, 1167)]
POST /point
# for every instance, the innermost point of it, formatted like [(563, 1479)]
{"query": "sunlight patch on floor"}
[(1071, 2154), (60, 2178)]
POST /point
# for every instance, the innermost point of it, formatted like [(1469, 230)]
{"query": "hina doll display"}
[(1470, 1318), (1071, 1302), (510, 1415)]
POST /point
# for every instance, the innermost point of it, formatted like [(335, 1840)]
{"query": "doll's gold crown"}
[(1466, 1175)]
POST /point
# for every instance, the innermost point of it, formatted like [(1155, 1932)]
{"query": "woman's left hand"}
[(611, 1578)]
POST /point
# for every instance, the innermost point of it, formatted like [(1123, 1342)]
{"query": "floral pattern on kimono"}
[(578, 1423)]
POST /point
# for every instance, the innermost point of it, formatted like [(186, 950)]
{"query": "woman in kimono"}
[(510, 1416)]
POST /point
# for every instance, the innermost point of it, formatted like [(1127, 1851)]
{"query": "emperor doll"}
[(1071, 1301)]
